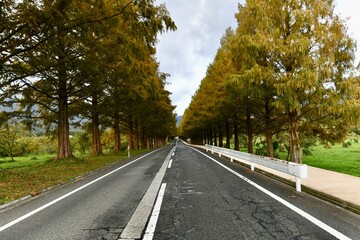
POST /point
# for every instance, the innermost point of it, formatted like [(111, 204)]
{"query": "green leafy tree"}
[(9, 134), (81, 142), (48, 47), (310, 58)]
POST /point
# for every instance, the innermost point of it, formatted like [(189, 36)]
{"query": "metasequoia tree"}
[(293, 70), (210, 107), (219, 72), (308, 58), (50, 52)]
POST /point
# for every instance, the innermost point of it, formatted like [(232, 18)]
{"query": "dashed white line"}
[(312, 219), (137, 223), (150, 230), (170, 163)]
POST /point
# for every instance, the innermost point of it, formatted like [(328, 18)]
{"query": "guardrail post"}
[(252, 167), (298, 184)]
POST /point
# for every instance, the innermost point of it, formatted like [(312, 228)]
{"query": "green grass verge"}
[(28, 175), (25, 161), (337, 158)]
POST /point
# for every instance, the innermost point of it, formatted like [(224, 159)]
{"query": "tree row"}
[(288, 69), (85, 63)]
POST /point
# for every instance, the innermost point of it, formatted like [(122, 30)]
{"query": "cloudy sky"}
[(186, 53)]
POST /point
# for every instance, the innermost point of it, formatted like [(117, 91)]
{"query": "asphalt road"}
[(98, 211), (205, 201), (201, 200)]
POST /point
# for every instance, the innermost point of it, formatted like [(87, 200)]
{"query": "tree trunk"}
[(137, 142), (250, 145), (64, 150), (295, 147), (236, 135), (268, 131), (143, 138), (269, 143), (221, 144), (117, 137), (215, 138), (130, 135), (227, 134), (96, 137)]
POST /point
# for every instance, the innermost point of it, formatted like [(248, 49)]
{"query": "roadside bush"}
[(356, 130), (81, 142), (260, 148), (107, 140), (282, 147), (346, 144), (307, 152)]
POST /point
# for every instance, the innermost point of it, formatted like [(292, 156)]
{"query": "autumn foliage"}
[(64, 63), (288, 67)]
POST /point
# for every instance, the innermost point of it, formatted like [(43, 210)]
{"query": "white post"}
[(252, 167), (298, 184), (231, 159)]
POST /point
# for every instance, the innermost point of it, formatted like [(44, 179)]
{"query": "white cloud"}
[(186, 53), (349, 10)]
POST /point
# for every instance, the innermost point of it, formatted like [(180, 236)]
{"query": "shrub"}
[(307, 151), (346, 144)]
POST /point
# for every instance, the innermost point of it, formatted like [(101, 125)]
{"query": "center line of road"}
[(170, 163), (302, 213), (137, 223), (6, 226)]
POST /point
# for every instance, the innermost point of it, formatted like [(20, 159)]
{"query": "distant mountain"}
[(178, 120)]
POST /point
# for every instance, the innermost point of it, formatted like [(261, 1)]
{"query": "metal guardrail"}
[(294, 169)]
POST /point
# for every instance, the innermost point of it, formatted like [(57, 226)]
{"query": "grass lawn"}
[(337, 158), (27, 175), (26, 161)]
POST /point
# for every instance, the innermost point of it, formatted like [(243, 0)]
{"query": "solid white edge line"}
[(312, 219), (150, 230), (170, 163), (6, 226)]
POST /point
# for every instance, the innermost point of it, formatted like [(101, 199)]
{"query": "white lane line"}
[(6, 226), (150, 230), (137, 223), (312, 219), (170, 163)]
